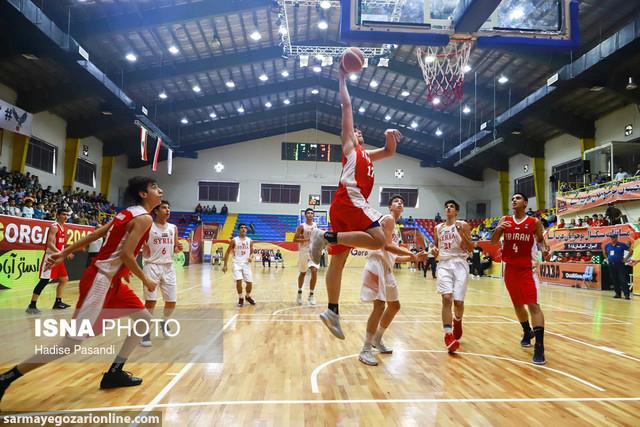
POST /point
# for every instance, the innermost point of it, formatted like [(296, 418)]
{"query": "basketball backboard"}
[(494, 23)]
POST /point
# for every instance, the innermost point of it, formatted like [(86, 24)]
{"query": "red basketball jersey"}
[(518, 240), (108, 260), (61, 237), (357, 172)]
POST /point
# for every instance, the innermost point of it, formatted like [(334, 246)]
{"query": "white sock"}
[(448, 329), (248, 295), (239, 294), (368, 339), (380, 332)]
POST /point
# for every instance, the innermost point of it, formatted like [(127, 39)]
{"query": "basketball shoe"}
[(332, 321), (118, 378), (526, 338), (451, 342), (146, 341), (538, 355), (299, 298), (312, 299), (318, 243), (379, 345), (366, 356), (457, 328), (240, 302), (250, 300)]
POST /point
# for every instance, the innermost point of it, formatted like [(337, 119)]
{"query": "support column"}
[(539, 182), (586, 144), (71, 151), (20, 149), (503, 179), (105, 179)]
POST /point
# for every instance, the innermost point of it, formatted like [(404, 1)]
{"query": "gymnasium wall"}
[(259, 161), (611, 127), (52, 129)]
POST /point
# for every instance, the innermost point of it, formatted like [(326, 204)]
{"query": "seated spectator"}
[(586, 258), (572, 224), (224, 210), (207, 209), (410, 220), (13, 210), (561, 224), (266, 258), (198, 209), (214, 210), (552, 218), (564, 187), (560, 257), (530, 212), (621, 174), (278, 258), (438, 218), (603, 220)]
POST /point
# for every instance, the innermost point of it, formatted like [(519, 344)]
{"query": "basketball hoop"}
[(443, 69)]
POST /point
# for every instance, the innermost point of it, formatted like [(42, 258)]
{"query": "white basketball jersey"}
[(449, 241), (161, 242), (242, 250), (306, 234), (388, 257)]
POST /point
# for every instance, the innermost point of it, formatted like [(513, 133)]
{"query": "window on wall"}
[(525, 185), (410, 196), (280, 193), (326, 194), (86, 173), (41, 155), (212, 191)]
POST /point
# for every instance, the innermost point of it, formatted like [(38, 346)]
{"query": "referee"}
[(617, 271)]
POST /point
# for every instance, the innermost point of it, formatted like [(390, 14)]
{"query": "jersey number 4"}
[(515, 248)]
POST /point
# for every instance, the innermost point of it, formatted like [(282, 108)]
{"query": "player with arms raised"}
[(519, 233), (354, 221)]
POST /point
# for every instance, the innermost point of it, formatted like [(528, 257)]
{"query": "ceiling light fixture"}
[(240, 109), (436, 101), (383, 62), (374, 84), (317, 68), (323, 25), (503, 79), (315, 91), (353, 77), (466, 109), (325, 4), (184, 121), (255, 35), (131, 57), (405, 93), (230, 84), (466, 68), (162, 95), (196, 89), (284, 73), (286, 102), (263, 77), (387, 117), (362, 109), (414, 125), (268, 104), (438, 132), (213, 115), (173, 50)]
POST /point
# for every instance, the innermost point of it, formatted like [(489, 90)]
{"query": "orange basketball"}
[(352, 60)]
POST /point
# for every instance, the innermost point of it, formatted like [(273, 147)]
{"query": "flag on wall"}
[(157, 154), (169, 161), (143, 143)]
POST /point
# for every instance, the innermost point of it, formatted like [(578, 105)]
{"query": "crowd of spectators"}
[(200, 210), (584, 257), (22, 195)]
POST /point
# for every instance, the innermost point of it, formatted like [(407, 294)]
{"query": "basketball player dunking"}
[(303, 234), (158, 265), (353, 220), (56, 239), (519, 232), (242, 248), (101, 287), (453, 244)]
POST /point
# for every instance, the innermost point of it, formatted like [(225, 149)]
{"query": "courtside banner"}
[(571, 274), (22, 244), (590, 198), (588, 239)]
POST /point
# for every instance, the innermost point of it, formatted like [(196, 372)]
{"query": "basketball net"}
[(443, 70)]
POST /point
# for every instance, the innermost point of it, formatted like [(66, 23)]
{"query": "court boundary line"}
[(314, 375)]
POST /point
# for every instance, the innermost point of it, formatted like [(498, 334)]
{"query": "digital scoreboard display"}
[(308, 152)]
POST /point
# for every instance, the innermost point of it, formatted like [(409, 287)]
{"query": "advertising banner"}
[(588, 239), (22, 244), (571, 274), (615, 191), (15, 119)]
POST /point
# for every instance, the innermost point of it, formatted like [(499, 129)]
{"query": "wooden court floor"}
[(283, 368)]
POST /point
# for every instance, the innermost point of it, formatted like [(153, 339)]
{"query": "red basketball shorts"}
[(522, 284), (104, 298), (350, 212), (55, 272)]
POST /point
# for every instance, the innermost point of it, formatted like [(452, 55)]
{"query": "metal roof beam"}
[(163, 16)]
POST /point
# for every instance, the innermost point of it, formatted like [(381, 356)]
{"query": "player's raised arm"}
[(91, 237), (348, 138), (392, 138), (497, 233)]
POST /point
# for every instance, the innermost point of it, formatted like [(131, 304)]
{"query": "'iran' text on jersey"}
[(518, 242)]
